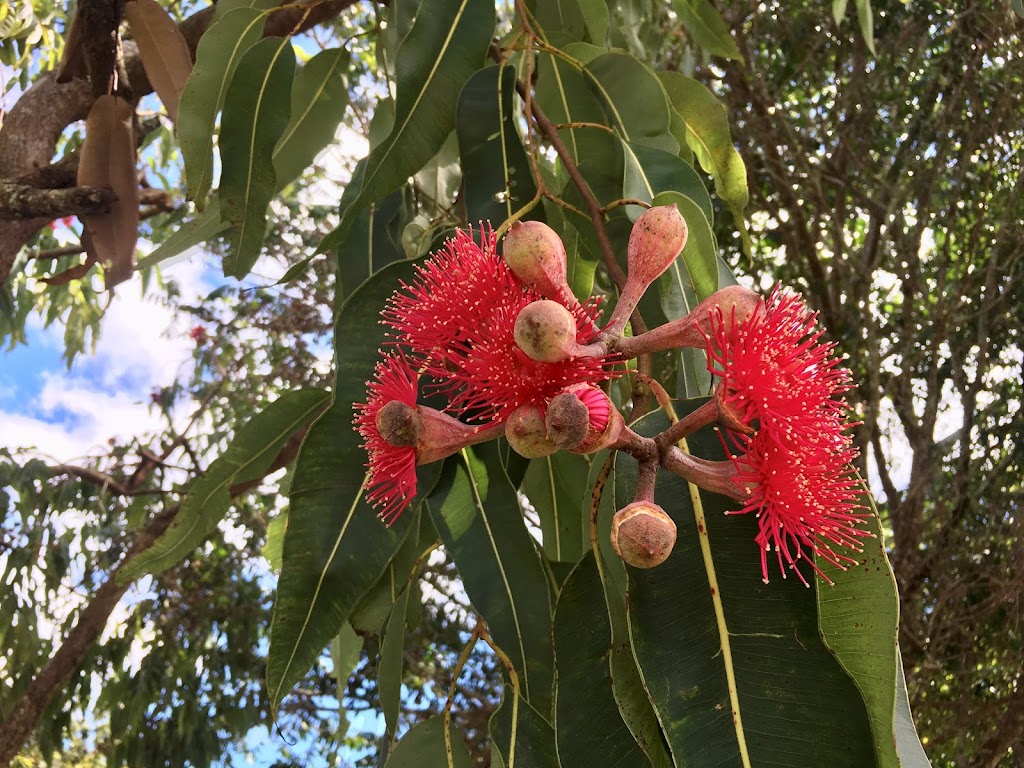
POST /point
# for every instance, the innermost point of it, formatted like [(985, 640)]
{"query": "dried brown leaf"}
[(72, 62), (163, 50), (108, 160)]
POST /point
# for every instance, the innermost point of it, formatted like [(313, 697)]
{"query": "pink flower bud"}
[(527, 434), (546, 331), (642, 534), (535, 254), (583, 420), (657, 238)]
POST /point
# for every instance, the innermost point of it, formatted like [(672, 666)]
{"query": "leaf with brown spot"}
[(163, 50), (108, 160)]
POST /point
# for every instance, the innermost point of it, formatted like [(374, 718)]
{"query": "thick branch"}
[(20, 201)]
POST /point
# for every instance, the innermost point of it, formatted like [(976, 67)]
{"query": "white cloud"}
[(105, 395)]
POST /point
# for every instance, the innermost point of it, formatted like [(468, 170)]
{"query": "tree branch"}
[(20, 201), (19, 724)]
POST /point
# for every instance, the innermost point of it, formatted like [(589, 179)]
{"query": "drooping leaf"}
[(859, 618), (425, 746), (521, 737), (561, 21), (486, 131), (441, 178), (707, 132), (163, 50), (319, 100), (707, 27), (446, 45), (375, 606), (635, 101), (205, 226), (650, 171), (737, 670), (557, 487), (390, 664), (275, 541), (108, 160), (256, 111), (838, 10), (633, 700), (345, 650), (476, 512), (335, 548), (219, 51), (253, 449), (589, 728), (373, 242), (866, 19)]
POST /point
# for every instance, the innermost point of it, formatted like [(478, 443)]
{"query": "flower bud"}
[(434, 434), (535, 254), (657, 238), (545, 331), (583, 420), (527, 434), (642, 534)]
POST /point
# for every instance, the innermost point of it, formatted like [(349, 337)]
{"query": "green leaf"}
[(635, 101), (256, 112), (223, 7), (521, 737), (220, 49), (486, 131), (440, 179), (707, 27), (425, 746), (477, 513), (446, 45), (274, 544), (250, 453), (595, 14), (700, 254), (736, 668), (319, 100), (633, 700), (390, 664), (346, 648), (588, 727), (867, 23), (838, 10), (373, 242), (859, 620), (375, 606), (335, 548), (708, 135), (557, 487), (205, 226), (650, 171), (561, 21)]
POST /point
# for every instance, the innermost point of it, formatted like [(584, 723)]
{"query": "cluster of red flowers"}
[(511, 351), (452, 327), (780, 392)]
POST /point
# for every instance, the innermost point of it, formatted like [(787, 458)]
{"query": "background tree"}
[(874, 186)]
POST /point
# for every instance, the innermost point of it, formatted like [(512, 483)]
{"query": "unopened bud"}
[(527, 434), (434, 434), (655, 241), (535, 254), (583, 420), (546, 331), (643, 535), (657, 238)]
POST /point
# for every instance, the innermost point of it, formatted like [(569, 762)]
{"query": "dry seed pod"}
[(163, 50), (108, 160), (643, 535)]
